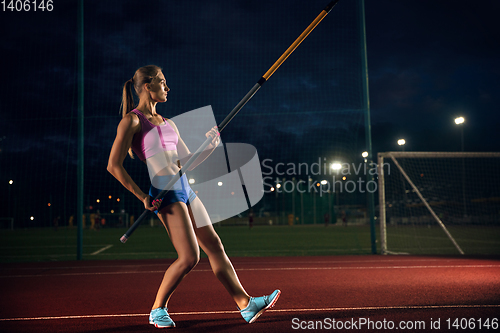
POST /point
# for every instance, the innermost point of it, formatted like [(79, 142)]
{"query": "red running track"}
[(369, 293)]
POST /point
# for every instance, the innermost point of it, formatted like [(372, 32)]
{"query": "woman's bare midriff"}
[(163, 164)]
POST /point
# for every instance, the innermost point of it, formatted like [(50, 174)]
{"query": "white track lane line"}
[(101, 250), (235, 261), (264, 269), (410, 307)]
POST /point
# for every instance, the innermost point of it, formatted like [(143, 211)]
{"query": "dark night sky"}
[(429, 61)]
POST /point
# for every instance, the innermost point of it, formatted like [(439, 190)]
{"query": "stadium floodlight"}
[(336, 166), (461, 121), (401, 142)]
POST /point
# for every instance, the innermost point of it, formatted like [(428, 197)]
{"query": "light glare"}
[(336, 166), (459, 120)]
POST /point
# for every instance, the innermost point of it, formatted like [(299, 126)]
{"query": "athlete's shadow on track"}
[(266, 323), (198, 325)]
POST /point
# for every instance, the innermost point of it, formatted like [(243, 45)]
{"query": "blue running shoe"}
[(160, 318), (257, 306)]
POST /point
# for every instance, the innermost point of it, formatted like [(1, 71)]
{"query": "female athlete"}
[(179, 206)]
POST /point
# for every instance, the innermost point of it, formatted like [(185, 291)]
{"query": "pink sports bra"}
[(153, 139)]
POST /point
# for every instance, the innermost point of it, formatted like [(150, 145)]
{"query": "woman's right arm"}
[(128, 126)]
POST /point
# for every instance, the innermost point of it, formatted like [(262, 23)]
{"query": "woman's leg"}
[(175, 218), (219, 261)]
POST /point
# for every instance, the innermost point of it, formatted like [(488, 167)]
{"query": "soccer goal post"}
[(439, 202)]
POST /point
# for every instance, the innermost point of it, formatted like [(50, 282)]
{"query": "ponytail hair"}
[(128, 98), (142, 76)]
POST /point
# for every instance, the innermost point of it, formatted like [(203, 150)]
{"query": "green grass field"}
[(240, 241), (147, 242), (473, 240)]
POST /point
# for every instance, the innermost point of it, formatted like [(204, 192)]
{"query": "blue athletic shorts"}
[(180, 192)]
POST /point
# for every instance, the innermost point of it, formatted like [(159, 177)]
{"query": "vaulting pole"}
[(236, 109)]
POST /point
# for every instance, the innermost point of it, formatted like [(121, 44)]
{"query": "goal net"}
[(439, 203)]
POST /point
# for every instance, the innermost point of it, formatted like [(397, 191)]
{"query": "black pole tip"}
[(330, 6), (124, 238)]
